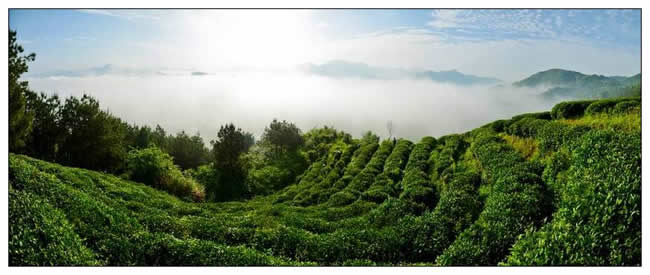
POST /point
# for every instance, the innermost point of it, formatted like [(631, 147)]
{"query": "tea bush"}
[(599, 217), (40, 234), (515, 203), (570, 109)]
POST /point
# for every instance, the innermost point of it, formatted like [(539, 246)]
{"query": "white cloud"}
[(446, 19), (124, 14)]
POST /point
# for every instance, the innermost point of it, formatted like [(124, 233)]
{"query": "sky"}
[(124, 57)]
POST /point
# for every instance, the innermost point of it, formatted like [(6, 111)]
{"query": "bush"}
[(570, 109), (156, 168), (626, 106), (601, 106), (457, 209), (385, 183), (359, 160), (366, 177), (39, 234), (415, 184), (599, 217), (516, 202), (540, 115), (526, 127), (553, 135)]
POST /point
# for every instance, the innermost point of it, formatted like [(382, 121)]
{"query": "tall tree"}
[(94, 138), (188, 152), (230, 144), (20, 119), (282, 137), (47, 132)]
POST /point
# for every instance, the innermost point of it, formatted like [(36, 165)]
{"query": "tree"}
[(144, 137), (20, 119), (94, 138), (188, 152), (282, 137), (159, 138), (47, 133), (230, 144), (369, 137)]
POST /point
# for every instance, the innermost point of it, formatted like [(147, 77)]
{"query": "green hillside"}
[(571, 84), (555, 188)]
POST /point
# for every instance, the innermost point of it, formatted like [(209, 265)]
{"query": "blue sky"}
[(155, 40), (142, 64)]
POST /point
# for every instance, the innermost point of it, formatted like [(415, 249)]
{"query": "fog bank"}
[(202, 103)]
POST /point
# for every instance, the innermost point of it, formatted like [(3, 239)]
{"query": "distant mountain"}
[(345, 69), (571, 84), (456, 77)]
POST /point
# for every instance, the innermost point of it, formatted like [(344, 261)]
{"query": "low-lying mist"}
[(416, 108)]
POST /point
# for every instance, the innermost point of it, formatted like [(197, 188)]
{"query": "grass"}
[(629, 122), (462, 199), (527, 147)]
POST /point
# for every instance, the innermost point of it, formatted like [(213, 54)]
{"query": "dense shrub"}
[(156, 168), (415, 184), (626, 106), (601, 106), (570, 109), (385, 183), (366, 177), (457, 209), (359, 160), (39, 234), (540, 115), (526, 127), (443, 161), (516, 202), (599, 217), (498, 125), (555, 134)]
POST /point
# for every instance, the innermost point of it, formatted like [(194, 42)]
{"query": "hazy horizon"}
[(195, 70)]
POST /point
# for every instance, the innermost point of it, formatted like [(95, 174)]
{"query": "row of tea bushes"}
[(365, 178), (415, 184), (515, 203), (385, 184), (598, 221)]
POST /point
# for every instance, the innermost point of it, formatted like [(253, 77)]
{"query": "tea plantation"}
[(554, 188)]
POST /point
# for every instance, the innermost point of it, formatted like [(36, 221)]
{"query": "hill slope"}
[(531, 190), (571, 84)]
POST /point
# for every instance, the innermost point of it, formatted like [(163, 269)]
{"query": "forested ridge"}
[(561, 187)]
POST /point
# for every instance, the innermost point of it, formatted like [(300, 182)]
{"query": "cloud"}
[(621, 26), (446, 19), (110, 69), (507, 59), (417, 107), (130, 15)]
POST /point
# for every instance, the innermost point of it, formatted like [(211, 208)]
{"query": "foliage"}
[(462, 199), (516, 202), (230, 144), (570, 109), (20, 118), (415, 184), (94, 138), (154, 167), (319, 140), (599, 217), (39, 234), (281, 137)]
